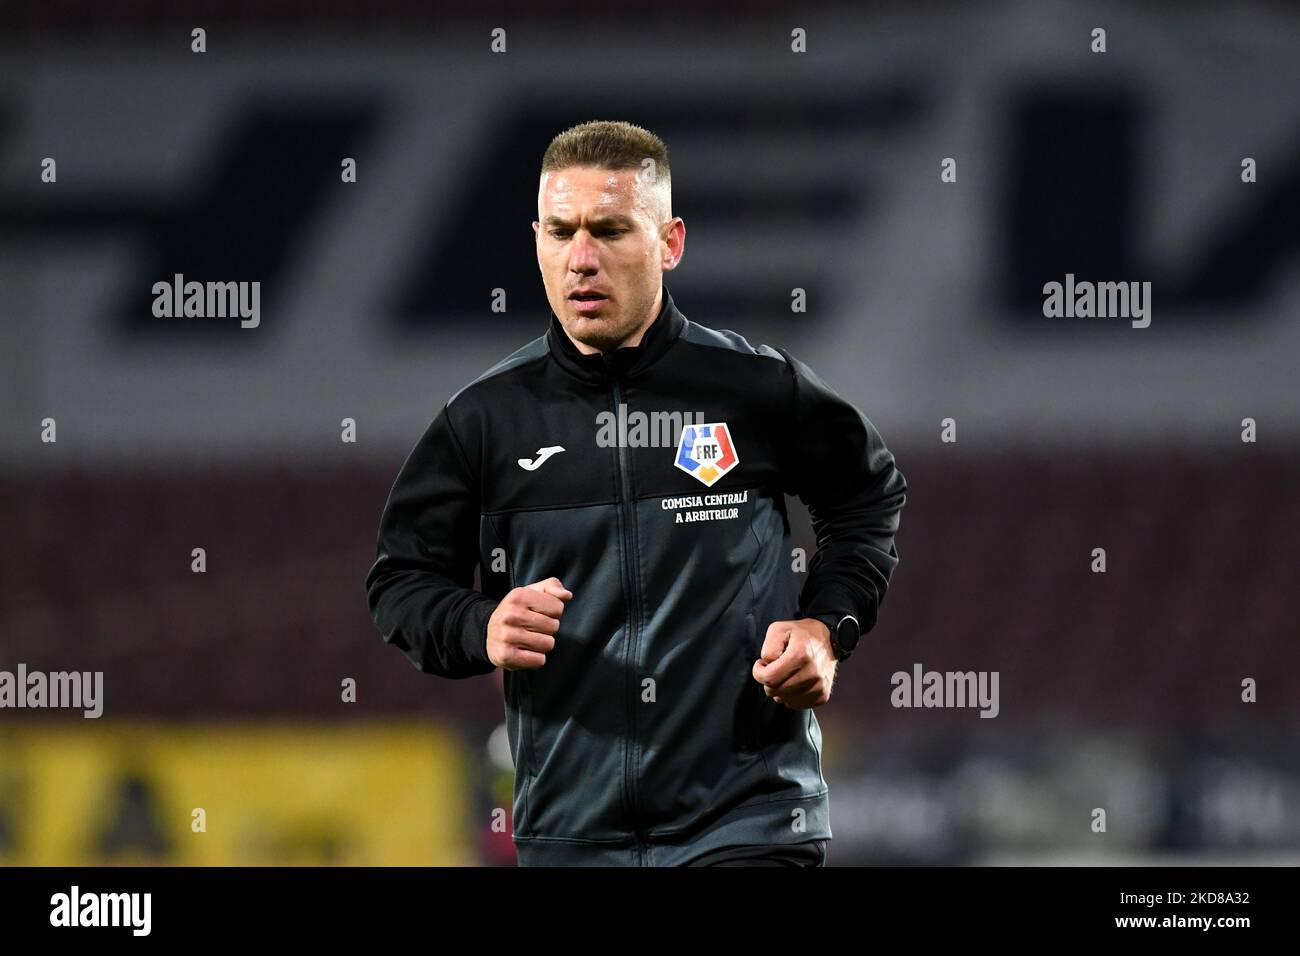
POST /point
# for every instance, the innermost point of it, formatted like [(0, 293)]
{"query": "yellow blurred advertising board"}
[(231, 794)]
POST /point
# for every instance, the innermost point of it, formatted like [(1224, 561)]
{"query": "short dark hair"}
[(607, 144)]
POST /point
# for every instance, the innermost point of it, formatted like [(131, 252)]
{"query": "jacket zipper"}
[(634, 614)]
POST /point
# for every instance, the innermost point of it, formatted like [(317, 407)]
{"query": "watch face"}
[(847, 634)]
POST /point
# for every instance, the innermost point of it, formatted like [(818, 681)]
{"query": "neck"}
[(633, 340)]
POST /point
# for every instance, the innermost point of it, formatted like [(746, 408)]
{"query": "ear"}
[(674, 237)]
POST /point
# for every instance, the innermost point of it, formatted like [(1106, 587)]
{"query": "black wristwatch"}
[(844, 633)]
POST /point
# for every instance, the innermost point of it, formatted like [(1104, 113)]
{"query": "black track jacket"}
[(644, 740)]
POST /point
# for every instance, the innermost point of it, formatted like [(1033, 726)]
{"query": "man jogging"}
[(620, 482)]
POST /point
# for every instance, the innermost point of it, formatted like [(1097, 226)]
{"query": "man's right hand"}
[(521, 631)]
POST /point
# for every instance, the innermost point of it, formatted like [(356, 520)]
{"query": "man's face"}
[(602, 250)]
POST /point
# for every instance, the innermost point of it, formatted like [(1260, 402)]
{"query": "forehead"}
[(578, 187)]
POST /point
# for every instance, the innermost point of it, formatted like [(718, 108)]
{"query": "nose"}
[(582, 254)]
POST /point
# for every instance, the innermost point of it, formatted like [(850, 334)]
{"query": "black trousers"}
[(812, 853)]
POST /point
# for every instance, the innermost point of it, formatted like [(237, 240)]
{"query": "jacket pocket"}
[(749, 705), (766, 722), (519, 726)]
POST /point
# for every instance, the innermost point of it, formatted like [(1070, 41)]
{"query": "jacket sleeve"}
[(420, 586), (838, 465)]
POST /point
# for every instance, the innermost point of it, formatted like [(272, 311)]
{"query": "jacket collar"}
[(629, 360)]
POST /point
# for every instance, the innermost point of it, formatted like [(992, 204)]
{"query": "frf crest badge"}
[(707, 451)]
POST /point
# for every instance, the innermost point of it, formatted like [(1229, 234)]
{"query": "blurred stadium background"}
[(819, 171)]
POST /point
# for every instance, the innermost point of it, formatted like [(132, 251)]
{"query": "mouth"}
[(588, 300)]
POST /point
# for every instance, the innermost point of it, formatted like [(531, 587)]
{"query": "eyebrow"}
[(615, 220)]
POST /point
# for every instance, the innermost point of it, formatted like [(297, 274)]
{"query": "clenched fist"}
[(521, 631), (797, 666)]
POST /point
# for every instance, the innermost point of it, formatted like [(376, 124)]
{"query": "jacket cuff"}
[(838, 601), (474, 636)]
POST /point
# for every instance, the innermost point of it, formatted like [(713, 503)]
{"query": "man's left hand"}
[(797, 666)]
